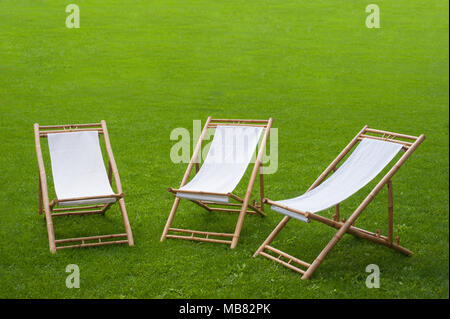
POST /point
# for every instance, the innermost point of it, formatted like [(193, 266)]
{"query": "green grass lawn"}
[(147, 67)]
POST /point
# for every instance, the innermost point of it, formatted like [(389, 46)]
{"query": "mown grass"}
[(147, 67)]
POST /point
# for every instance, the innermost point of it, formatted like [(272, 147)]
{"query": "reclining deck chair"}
[(232, 148), (82, 185), (375, 150)]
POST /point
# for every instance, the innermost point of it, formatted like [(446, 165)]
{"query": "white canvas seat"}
[(364, 164), (78, 169), (228, 158)]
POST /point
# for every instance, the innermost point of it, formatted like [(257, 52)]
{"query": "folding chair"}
[(232, 148), (375, 150), (82, 185)]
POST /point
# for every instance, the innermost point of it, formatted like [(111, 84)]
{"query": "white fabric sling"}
[(78, 168), (231, 151), (364, 164)]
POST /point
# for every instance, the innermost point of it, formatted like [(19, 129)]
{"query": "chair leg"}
[(126, 222), (240, 221), (316, 263), (50, 230), (272, 235), (170, 218), (40, 197)]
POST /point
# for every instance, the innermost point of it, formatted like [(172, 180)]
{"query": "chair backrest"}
[(77, 165), (230, 153), (364, 164)]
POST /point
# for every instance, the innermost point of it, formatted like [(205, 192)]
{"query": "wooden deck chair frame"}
[(241, 205), (50, 208), (410, 143)]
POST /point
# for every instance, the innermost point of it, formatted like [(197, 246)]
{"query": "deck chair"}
[(232, 148), (374, 150), (82, 185)]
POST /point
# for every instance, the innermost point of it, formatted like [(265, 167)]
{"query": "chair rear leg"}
[(170, 218), (126, 222), (50, 230), (240, 222), (40, 197)]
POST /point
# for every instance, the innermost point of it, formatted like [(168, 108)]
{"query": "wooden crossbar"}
[(81, 212), (289, 257), (408, 137), (207, 205), (236, 124), (238, 121), (347, 226), (70, 126), (83, 241), (45, 133), (406, 145), (228, 210), (286, 264), (44, 130), (64, 209), (100, 237), (200, 233)]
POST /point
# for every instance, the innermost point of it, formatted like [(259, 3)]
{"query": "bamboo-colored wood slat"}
[(256, 209), (88, 238), (200, 233), (81, 212), (210, 240), (296, 260), (104, 243), (229, 210), (235, 124), (405, 144), (288, 265), (238, 121), (70, 126), (408, 137), (64, 209), (45, 133)]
